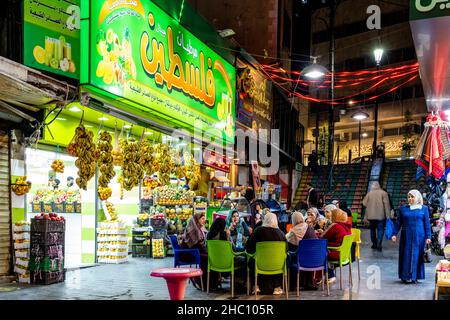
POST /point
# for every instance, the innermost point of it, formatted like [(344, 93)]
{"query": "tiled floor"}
[(131, 281)]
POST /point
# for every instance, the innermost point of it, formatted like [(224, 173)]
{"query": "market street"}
[(131, 281)]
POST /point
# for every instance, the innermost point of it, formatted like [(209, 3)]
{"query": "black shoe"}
[(379, 249), (374, 246)]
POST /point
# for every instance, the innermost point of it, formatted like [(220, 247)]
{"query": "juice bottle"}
[(68, 51), (49, 46)]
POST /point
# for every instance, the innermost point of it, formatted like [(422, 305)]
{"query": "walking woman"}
[(413, 219)]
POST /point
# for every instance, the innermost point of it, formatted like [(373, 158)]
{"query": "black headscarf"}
[(217, 228)]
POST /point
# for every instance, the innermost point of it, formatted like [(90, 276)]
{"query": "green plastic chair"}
[(345, 257), (357, 240), (270, 259), (221, 259)]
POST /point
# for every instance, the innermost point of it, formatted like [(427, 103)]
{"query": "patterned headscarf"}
[(316, 213), (238, 227), (194, 233)]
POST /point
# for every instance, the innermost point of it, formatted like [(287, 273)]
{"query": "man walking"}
[(377, 211)]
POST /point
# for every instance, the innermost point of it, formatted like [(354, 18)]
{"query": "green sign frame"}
[(139, 54), (426, 9), (51, 36)]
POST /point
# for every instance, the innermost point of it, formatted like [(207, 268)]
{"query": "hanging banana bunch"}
[(193, 171), (146, 157), (105, 163), (132, 171), (85, 149)]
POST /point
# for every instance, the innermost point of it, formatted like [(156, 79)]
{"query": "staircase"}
[(398, 178), (349, 183)]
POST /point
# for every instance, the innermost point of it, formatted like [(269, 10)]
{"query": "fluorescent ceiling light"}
[(148, 133), (221, 125), (103, 119), (61, 119), (127, 126), (75, 109), (314, 74)]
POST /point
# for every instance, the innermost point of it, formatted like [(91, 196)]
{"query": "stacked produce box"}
[(47, 249), (159, 225), (21, 239), (141, 241), (112, 242)]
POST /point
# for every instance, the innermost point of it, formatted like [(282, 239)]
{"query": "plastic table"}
[(176, 279)]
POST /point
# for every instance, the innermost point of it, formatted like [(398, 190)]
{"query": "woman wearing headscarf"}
[(236, 225), (268, 231), (313, 218), (335, 235), (300, 231), (326, 223), (218, 231), (413, 219), (194, 237)]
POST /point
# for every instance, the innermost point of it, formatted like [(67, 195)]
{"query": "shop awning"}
[(430, 27), (24, 91)]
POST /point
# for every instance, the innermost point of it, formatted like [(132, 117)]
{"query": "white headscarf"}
[(299, 229), (270, 220), (329, 207), (418, 200)]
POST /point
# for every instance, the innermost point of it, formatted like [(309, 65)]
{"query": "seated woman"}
[(335, 235), (194, 237), (327, 221), (218, 231), (300, 230), (313, 218), (269, 231), (237, 227)]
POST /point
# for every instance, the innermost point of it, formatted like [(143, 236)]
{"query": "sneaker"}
[(257, 290), (332, 280), (278, 291)]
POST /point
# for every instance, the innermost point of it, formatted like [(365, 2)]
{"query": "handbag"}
[(427, 254), (390, 229)]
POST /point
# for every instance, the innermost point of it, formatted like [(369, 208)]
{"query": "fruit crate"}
[(146, 204), (43, 250), (46, 278), (59, 207), (138, 250), (139, 239), (47, 238), (46, 264), (158, 223), (44, 225), (37, 206)]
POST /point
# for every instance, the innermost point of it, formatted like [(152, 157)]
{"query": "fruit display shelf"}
[(112, 238), (21, 236)]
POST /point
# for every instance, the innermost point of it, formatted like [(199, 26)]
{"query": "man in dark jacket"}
[(312, 200)]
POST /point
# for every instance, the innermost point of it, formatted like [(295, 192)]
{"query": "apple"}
[(46, 217)]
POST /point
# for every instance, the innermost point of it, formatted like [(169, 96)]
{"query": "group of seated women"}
[(333, 227)]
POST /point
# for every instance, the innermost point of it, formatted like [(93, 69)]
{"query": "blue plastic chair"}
[(311, 256), (177, 261)]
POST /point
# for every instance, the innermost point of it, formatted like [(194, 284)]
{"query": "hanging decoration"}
[(362, 83), (433, 150)]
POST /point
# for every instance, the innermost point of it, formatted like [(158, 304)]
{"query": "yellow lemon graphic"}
[(109, 74), (39, 54), (100, 69)]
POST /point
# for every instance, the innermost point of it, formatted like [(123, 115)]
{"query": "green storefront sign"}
[(425, 9), (140, 54), (52, 36)]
